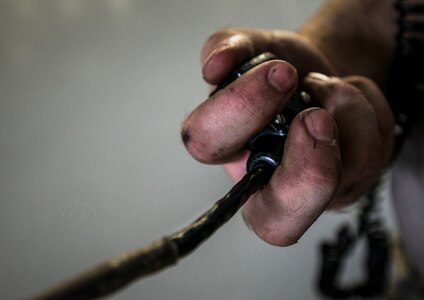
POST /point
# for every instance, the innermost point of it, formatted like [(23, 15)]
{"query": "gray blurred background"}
[(92, 95)]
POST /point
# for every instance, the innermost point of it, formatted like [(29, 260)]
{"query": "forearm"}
[(356, 36)]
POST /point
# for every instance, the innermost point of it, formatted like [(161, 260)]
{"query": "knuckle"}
[(361, 82), (219, 35), (344, 90), (343, 97), (244, 101)]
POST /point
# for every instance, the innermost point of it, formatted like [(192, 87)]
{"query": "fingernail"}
[(318, 76), (214, 52), (320, 126), (282, 77)]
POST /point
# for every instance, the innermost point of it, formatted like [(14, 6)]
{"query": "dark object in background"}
[(406, 98), (377, 257)]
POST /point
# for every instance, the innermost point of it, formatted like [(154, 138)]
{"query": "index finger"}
[(220, 127)]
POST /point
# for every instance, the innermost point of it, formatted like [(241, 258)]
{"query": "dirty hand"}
[(333, 154)]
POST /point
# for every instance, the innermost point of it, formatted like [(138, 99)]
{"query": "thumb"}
[(304, 184)]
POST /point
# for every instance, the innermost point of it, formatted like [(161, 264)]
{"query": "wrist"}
[(356, 36)]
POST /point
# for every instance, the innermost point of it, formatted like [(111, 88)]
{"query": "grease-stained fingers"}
[(385, 117), (304, 184), (228, 48), (361, 144), (218, 129)]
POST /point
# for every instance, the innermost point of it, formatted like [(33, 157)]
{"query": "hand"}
[(333, 154)]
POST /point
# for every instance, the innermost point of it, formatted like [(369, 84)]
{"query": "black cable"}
[(117, 273), (190, 237), (266, 153)]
